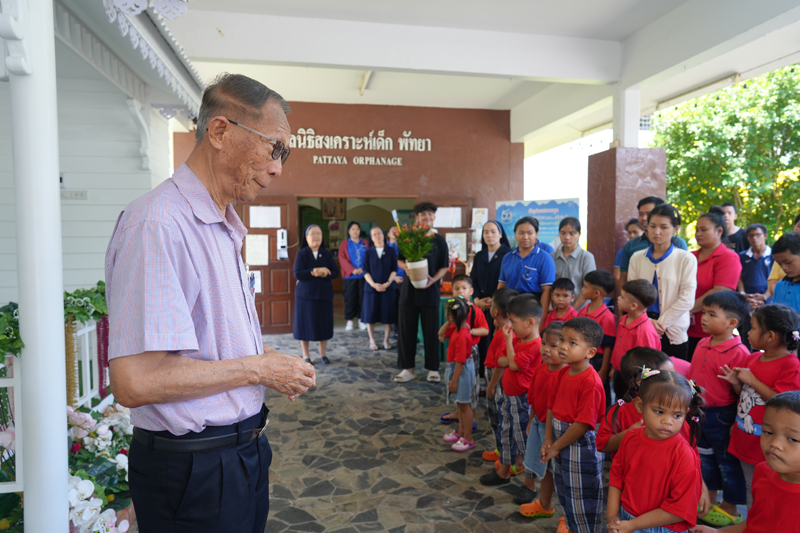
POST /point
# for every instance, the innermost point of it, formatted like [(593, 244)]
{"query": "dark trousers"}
[(222, 490), (353, 290), (720, 469), (407, 318)]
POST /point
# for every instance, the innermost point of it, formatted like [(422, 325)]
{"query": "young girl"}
[(460, 373), (775, 330), (655, 483)]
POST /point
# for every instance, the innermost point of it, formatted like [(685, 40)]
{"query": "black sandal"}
[(493, 478)]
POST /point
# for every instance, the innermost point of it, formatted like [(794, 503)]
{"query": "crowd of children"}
[(688, 441)]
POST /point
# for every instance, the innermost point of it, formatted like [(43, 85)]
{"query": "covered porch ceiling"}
[(554, 65)]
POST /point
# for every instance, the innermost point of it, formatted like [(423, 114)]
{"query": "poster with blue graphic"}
[(548, 212)]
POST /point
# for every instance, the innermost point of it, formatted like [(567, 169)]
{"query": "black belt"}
[(157, 440)]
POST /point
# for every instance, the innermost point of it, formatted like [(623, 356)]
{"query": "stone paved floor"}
[(359, 453)]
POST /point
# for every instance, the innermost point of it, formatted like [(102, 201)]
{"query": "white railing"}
[(12, 385), (89, 384)]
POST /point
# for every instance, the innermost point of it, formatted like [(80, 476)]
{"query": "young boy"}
[(538, 394), (635, 328), (576, 405), (723, 312), (563, 296), (597, 285), (522, 357), (786, 252), (776, 482), (494, 372)]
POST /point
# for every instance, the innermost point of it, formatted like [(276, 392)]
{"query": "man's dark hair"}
[(564, 284), (602, 279), (649, 200), (728, 204), (525, 306), (236, 97), (785, 401), (425, 206), (642, 290), (501, 297), (570, 221), (588, 329), (753, 227), (464, 278), (733, 304), (788, 242), (632, 221)]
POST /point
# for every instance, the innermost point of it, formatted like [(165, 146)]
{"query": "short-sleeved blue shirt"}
[(756, 271), (787, 292), (617, 258), (529, 273), (544, 246)]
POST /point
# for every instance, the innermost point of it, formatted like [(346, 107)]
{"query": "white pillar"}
[(627, 106), (34, 127)]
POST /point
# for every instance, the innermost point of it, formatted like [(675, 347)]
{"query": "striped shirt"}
[(176, 282)]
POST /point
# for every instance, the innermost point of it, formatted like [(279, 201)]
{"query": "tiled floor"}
[(359, 453)]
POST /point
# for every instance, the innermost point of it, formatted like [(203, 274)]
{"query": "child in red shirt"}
[(776, 482), (522, 357), (655, 478), (597, 285), (576, 404), (542, 383), (775, 329), (563, 296), (723, 312), (460, 373)]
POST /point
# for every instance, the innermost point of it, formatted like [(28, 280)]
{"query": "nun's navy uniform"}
[(379, 306), (313, 297)]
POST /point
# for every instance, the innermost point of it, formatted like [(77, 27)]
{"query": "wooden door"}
[(275, 301)]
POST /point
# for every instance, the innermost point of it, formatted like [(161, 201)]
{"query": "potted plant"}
[(414, 243)]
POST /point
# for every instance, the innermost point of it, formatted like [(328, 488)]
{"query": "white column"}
[(34, 127), (627, 107)]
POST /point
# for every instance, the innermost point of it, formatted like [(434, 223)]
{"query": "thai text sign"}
[(549, 213)]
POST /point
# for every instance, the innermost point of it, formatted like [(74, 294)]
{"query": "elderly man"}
[(185, 345)]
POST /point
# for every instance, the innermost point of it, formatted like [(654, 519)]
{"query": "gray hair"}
[(237, 97)]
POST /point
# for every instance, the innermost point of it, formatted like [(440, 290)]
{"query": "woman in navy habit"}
[(314, 268), (380, 270)]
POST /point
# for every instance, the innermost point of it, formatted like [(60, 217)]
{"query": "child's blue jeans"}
[(720, 469)]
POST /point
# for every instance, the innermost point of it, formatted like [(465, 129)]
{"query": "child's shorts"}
[(533, 449), (466, 382)]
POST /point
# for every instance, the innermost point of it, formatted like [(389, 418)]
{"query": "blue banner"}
[(549, 213)]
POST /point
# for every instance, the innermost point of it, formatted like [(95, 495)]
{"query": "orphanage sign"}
[(308, 139)]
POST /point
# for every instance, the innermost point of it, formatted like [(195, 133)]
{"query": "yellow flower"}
[(110, 498), (4, 524)]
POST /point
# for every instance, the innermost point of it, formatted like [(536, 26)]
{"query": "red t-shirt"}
[(527, 356), (578, 398), (627, 415), (475, 319), (658, 474), (460, 347), (705, 368), (497, 349), (681, 367), (722, 268), (542, 383), (552, 316), (640, 332), (605, 318), (780, 375), (775, 503)]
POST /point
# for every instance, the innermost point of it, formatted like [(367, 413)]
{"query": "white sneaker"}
[(434, 377), (361, 326), (349, 326)]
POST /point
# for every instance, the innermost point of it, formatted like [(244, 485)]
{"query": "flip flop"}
[(387, 346), (404, 377), (446, 420), (718, 517), (373, 347)]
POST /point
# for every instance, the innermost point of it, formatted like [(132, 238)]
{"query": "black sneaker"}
[(493, 478), (525, 495)]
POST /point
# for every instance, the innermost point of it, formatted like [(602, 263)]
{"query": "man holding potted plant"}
[(419, 297)]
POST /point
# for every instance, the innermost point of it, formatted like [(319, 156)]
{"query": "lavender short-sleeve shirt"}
[(176, 282)]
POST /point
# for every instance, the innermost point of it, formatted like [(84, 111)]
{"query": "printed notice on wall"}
[(265, 216), (448, 217), (256, 250)]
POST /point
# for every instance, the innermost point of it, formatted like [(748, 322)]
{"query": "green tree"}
[(740, 145)]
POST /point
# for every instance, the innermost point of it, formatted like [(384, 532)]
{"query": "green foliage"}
[(86, 304), (738, 145), (10, 341), (414, 242)]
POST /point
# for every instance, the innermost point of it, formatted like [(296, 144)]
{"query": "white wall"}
[(99, 153)]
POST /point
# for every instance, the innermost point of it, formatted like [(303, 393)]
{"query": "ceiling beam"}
[(217, 36)]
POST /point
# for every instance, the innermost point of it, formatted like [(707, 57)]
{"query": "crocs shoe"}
[(513, 469), (524, 496), (451, 437), (462, 445), (535, 510), (562, 526), (719, 518), (491, 455), (434, 377)]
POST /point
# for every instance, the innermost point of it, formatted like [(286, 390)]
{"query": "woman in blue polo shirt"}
[(528, 268)]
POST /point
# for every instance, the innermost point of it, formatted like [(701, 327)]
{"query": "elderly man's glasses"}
[(279, 151)]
